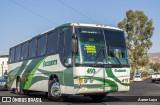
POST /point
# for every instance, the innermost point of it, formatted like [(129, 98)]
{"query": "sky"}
[(21, 20)]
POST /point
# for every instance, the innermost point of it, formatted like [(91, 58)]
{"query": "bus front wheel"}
[(54, 92)]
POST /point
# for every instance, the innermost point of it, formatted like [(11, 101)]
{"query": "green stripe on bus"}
[(16, 72), (28, 83), (37, 79)]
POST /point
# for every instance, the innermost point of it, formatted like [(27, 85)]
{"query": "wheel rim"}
[(55, 90), (18, 86)]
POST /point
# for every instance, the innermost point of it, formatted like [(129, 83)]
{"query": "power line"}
[(68, 6), (33, 12)]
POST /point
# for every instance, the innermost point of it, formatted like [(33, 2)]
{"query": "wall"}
[(3, 58)]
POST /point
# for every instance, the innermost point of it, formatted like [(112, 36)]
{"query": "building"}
[(3, 64)]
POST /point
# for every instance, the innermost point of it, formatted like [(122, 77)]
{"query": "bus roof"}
[(76, 25), (89, 25), (83, 24)]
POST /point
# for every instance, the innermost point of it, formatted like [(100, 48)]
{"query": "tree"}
[(139, 30), (156, 66)]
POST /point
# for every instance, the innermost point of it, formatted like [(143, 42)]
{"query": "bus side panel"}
[(15, 70), (35, 73), (48, 66), (38, 73)]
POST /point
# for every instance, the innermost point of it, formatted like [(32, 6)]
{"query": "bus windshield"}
[(117, 51), (91, 46), (101, 46)]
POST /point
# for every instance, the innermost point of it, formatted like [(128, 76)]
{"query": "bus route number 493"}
[(91, 71)]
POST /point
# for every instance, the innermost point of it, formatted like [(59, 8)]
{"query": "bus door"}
[(65, 56)]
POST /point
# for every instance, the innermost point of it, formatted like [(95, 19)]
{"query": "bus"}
[(71, 59)]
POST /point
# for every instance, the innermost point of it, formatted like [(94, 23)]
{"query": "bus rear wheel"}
[(18, 89), (54, 92)]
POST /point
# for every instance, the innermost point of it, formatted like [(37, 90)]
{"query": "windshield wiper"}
[(116, 58), (113, 54), (97, 56)]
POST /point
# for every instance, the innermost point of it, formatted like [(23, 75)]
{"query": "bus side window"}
[(18, 53), (24, 54), (32, 48), (41, 43), (52, 42), (12, 55)]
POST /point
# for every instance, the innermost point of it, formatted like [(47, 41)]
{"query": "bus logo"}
[(120, 70), (50, 63)]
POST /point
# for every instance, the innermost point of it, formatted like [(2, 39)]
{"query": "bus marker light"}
[(80, 80)]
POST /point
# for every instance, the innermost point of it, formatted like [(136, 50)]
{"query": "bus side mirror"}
[(74, 44)]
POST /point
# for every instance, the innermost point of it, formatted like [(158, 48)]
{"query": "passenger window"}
[(32, 48), (18, 53), (24, 54), (41, 45), (12, 54), (52, 42)]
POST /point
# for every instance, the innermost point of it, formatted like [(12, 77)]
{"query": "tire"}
[(54, 91), (18, 89), (97, 97), (153, 81)]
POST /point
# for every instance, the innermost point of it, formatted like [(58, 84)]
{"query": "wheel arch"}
[(52, 76)]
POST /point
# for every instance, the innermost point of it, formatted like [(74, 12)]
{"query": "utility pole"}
[(2, 67)]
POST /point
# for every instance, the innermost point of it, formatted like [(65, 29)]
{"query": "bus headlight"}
[(88, 80), (85, 80), (91, 80)]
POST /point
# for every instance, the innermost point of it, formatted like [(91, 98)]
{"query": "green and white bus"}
[(71, 59)]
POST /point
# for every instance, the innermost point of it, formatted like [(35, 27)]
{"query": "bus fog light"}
[(84, 88)]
